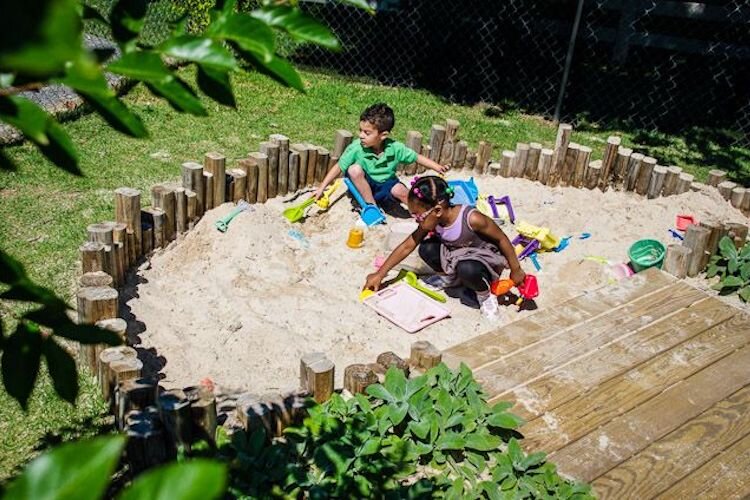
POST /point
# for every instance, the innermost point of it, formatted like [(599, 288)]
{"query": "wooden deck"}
[(640, 388)]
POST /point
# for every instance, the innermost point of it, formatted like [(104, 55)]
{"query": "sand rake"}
[(223, 223)]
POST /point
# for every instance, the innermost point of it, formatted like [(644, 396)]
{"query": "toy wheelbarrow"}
[(370, 213)]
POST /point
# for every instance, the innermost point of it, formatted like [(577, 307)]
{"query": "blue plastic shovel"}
[(370, 213)]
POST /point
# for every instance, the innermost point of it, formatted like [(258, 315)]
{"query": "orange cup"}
[(355, 239)]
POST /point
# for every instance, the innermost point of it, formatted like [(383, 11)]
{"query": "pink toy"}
[(406, 307), (683, 221), (378, 261)]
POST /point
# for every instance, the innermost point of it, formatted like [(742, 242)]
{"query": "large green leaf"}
[(745, 293), (505, 420), (86, 78), (38, 37), (140, 65), (180, 96), (298, 24), (205, 51), (27, 290), (395, 383), (62, 369), (216, 85), (732, 281), (515, 453), (248, 33), (195, 480), (450, 441), (59, 321), (127, 19), (380, 392), (728, 250), (482, 441), (80, 470), (361, 4), (397, 412), (21, 356)]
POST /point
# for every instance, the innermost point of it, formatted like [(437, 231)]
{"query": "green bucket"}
[(646, 253)]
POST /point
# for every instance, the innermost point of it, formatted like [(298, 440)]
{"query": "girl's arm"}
[(401, 252), (426, 162), (487, 228)]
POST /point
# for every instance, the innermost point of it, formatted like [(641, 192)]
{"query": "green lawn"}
[(44, 211)]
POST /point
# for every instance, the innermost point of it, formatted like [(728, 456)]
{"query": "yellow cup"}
[(356, 236)]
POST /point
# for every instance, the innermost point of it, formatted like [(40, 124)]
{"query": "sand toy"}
[(466, 192), (325, 201), (295, 214), (370, 213), (223, 223), (411, 279), (527, 290), (406, 307)]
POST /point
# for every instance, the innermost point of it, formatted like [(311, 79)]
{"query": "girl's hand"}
[(518, 276), (372, 282)]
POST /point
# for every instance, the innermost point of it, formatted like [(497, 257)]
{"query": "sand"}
[(242, 307)]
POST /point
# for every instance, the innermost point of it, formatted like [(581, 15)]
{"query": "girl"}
[(468, 246)]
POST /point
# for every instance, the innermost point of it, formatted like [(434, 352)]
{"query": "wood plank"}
[(617, 396), (681, 452), (486, 348), (724, 477), (569, 382), (608, 446), (571, 344)]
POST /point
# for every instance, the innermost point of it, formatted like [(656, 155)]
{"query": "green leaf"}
[(745, 293), (482, 441), (298, 24), (731, 281), (216, 85), (6, 80), (397, 412), (491, 490), (205, 51), (180, 96), (414, 385), (505, 420), (63, 326), (419, 429), (198, 479), (22, 353), (127, 19), (712, 270), (62, 370), (728, 250), (395, 383), (360, 4), (248, 33), (79, 469), (450, 441), (515, 453), (745, 271), (88, 12), (11, 270), (283, 72), (733, 265), (533, 459), (380, 392), (26, 290), (87, 79), (370, 447)]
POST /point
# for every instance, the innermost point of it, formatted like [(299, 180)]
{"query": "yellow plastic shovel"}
[(325, 200)]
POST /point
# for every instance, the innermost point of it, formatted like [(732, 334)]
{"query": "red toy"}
[(527, 290)]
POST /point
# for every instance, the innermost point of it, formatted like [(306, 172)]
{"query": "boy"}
[(371, 161)]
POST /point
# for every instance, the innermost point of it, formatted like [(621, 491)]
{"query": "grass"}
[(44, 211)]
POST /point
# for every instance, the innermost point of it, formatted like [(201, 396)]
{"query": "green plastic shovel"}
[(411, 279), (293, 214)]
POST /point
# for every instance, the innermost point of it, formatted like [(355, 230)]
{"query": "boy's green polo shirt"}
[(379, 168)]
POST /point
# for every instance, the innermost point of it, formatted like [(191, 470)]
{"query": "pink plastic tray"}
[(406, 307)]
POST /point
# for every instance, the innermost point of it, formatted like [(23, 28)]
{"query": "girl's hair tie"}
[(418, 192), (415, 179), (450, 191)]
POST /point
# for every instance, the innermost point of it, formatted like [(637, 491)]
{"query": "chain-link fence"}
[(651, 64)]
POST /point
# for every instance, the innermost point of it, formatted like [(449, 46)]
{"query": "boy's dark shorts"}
[(381, 191)]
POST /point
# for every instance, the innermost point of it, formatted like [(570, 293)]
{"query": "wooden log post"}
[(608, 161), (180, 210), (459, 155), (531, 171), (391, 359), (582, 163), (424, 355), (174, 410), (216, 164), (644, 175), (93, 257), (148, 239), (120, 236), (522, 155), (155, 219), (656, 183), (133, 395), (202, 413), (239, 179), (697, 187), (250, 167), (163, 197), (725, 189), (105, 375), (471, 160), (128, 211), (413, 142), (358, 377), (312, 163), (261, 162), (317, 375), (562, 141), (253, 413), (677, 259), (449, 144), (301, 149), (746, 203), (737, 197), (696, 239), (545, 165), (147, 443), (95, 278), (282, 142), (484, 153), (494, 168), (634, 169), (208, 190), (670, 180), (271, 150), (507, 159), (620, 169), (437, 137), (103, 232), (716, 177), (737, 232), (684, 182), (192, 179), (94, 304), (115, 325), (717, 230), (593, 172), (341, 140), (321, 168), (294, 178), (426, 152), (192, 209), (567, 176)]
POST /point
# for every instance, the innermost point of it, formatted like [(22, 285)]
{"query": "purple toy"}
[(530, 245), (504, 200)]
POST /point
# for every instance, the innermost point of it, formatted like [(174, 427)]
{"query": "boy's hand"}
[(441, 169), (318, 193), (518, 276), (372, 282)]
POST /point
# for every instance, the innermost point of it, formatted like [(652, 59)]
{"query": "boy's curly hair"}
[(380, 115)]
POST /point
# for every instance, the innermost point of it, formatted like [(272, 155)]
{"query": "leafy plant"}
[(733, 268), (82, 470), (433, 435)]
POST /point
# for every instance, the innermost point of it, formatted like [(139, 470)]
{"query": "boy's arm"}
[(333, 172), (426, 162), (487, 228)]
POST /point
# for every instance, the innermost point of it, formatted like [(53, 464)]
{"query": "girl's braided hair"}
[(430, 191)]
